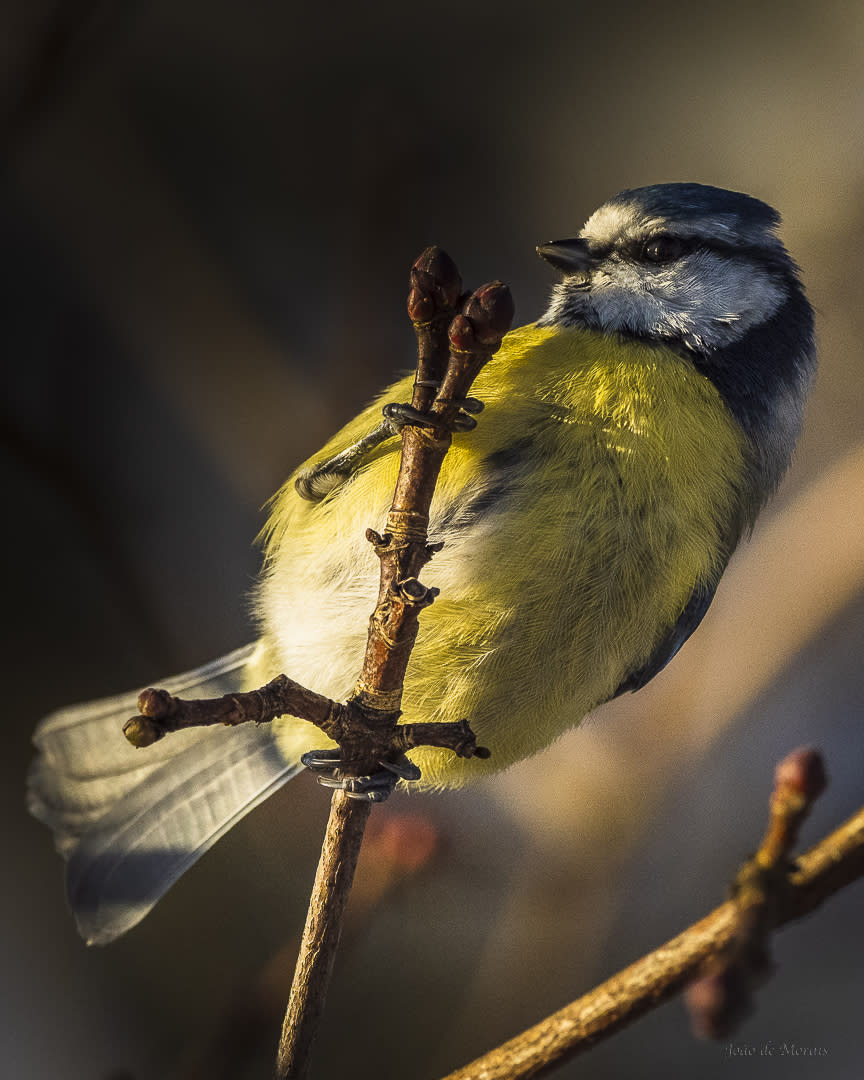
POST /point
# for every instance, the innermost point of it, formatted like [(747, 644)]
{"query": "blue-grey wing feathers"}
[(130, 821), (132, 856), (693, 614)]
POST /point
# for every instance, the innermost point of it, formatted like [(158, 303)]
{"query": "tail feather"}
[(85, 764), (133, 855), (129, 821)]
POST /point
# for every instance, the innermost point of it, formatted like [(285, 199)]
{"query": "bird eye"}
[(661, 249)]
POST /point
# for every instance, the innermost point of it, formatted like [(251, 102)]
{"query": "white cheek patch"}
[(707, 299), (716, 300)]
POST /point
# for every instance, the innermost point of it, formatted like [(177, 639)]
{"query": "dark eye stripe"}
[(633, 249), (663, 248)]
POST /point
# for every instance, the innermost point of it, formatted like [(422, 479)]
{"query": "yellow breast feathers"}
[(605, 481)]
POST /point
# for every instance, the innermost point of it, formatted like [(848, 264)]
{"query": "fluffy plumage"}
[(600, 489), (630, 438)]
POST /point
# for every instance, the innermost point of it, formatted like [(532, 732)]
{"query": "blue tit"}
[(630, 438)]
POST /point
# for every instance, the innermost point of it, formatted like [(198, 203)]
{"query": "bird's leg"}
[(376, 787), (326, 476)]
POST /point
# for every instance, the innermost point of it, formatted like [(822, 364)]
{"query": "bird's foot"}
[(326, 476), (376, 787), (402, 414)]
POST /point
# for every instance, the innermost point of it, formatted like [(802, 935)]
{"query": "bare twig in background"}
[(823, 870), (721, 998)]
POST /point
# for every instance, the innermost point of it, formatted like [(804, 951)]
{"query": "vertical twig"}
[(452, 350), (336, 867), (451, 353)]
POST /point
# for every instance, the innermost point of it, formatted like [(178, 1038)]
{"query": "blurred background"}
[(207, 214)]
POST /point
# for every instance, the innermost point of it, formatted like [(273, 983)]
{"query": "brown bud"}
[(420, 279), (421, 305), (461, 334), (155, 703), (803, 771), (435, 262), (490, 309), (718, 1002)]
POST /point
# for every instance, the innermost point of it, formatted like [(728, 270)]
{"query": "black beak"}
[(568, 256)]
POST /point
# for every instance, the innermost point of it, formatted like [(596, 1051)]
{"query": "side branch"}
[(370, 736), (723, 996), (455, 735), (830, 865), (162, 713)]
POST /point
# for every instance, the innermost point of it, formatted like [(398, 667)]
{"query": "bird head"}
[(681, 263)]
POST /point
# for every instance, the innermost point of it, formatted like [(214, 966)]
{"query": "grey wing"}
[(693, 614), (129, 821), (84, 764), (133, 855)]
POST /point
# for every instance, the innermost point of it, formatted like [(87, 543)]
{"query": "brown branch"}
[(333, 880), (722, 997), (832, 864), (452, 350), (403, 549), (369, 719), (162, 713)]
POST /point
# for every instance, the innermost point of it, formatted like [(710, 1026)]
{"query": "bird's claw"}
[(401, 414), (377, 787)]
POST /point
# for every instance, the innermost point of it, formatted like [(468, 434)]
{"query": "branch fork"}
[(456, 335), (788, 889), (453, 346), (722, 996)]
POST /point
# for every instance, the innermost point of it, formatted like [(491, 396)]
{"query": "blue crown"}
[(698, 200)]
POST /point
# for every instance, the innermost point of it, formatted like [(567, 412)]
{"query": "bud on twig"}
[(441, 269), (490, 309), (141, 731), (461, 334), (802, 771), (718, 1002), (435, 285), (434, 292), (721, 998)]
